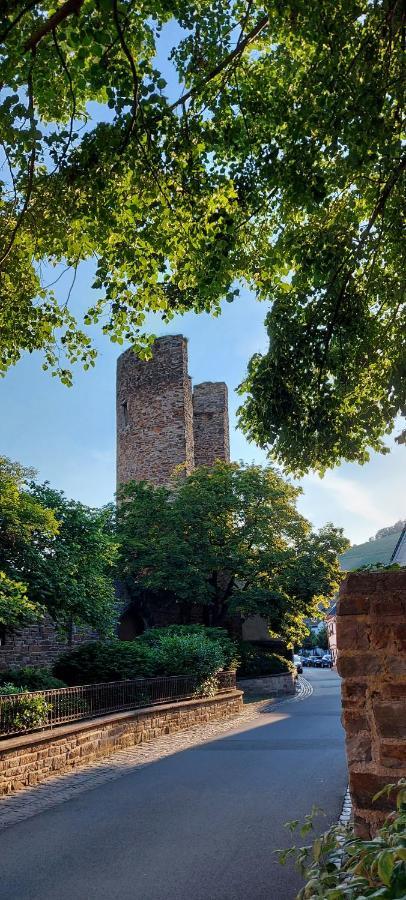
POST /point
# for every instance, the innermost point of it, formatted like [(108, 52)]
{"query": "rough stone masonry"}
[(371, 641), (161, 423)]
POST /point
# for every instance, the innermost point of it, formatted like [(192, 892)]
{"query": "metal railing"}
[(36, 710)]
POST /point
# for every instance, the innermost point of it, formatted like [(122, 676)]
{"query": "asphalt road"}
[(202, 824)]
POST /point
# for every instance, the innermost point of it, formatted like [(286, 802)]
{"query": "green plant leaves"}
[(346, 867)]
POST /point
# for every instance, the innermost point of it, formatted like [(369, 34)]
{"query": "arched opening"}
[(131, 624)]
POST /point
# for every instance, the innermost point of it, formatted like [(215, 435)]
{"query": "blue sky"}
[(68, 434)]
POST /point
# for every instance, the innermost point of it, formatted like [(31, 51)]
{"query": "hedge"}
[(165, 654), (257, 662)]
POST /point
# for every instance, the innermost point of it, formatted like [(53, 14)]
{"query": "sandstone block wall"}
[(210, 423), (154, 413), (268, 685), (28, 760), (371, 644), (37, 645)]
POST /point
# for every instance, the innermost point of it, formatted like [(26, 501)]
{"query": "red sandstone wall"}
[(371, 640)]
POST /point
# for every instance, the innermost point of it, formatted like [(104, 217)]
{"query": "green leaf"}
[(385, 863)]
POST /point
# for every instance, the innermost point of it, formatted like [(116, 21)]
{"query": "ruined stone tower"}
[(210, 423), (159, 425), (154, 413)]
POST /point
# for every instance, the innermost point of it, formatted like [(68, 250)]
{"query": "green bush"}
[(217, 635), (23, 712), (188, 654), (158, 654), (30, 678), (97, 662), (257, 661), (9, 688), (340, 866)]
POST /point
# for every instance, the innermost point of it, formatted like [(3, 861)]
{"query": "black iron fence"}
[(35, 710)]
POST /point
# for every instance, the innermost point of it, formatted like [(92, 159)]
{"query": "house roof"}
[(385, 550)]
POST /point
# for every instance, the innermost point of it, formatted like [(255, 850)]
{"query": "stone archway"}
[(131, 624)]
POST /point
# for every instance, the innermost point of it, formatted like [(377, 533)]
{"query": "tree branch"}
[(17, 19), (73, 100), (31, 167), (134, 75), (67, 9), (241, 46), (379, 208)]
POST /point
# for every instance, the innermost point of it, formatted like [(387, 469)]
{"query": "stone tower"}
[(154, 413), (210, 423), (159, 425)]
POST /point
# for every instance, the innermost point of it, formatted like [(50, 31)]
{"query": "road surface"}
[(202, 824)]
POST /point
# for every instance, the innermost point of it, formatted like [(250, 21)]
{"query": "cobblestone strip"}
[(346, 814), (60, 788)]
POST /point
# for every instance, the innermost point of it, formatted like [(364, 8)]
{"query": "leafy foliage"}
[(257, 661), (165, 653), (76, 579), (30, 678), (98, 662), (229, 648), (277, 162), (315, 639), (15, 607), (230, 538), (56, 555), (23, 711), (340, 866)]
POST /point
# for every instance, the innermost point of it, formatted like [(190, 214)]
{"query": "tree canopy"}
[(231, 539), (275, 159), (56, 555)]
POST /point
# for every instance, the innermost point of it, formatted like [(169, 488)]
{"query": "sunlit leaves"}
[(229, 537), (282, 170)]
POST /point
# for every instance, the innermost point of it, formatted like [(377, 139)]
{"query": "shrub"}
[(340, 866), (188, 654), (159, 652), (8, 688), (23, 711), (31, 679), (217, 635), (98, 662), (257, 661)]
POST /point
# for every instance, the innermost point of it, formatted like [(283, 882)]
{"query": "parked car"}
[(298, 663), (327, 661), (306, 660), (316, 662)]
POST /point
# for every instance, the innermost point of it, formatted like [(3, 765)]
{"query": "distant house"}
[(384, 551)]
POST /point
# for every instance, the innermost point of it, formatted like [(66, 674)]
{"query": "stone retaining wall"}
[(371, 642), (30, 759), (269, 685), (38, 645)]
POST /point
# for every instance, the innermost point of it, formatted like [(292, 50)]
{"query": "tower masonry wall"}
[(210, 423), (154, 413)]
